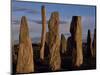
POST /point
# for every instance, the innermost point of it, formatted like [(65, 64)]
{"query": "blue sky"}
[(32, 11)]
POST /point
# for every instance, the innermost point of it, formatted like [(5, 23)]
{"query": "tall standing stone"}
[(89, 44), (47, 38), (69, 46), (43, 36), (54, 41), (76, 36), (94, 44), (63, 44), (25, 63)]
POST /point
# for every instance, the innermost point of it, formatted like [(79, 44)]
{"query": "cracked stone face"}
[(54, 41), (25, 63), (76, 36)]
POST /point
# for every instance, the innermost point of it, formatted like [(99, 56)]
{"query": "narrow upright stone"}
[(89, 45), (47, 38), (25, 63), (76, 37), (43, 35), (94, 44), (54, 41), (63, 44)]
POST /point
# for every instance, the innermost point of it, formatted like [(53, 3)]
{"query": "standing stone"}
[(89, 44), (69, 46), (76, 36), (54, 41), (63, 44), (94, 44), (25, 63), (47, 38), (43, 36), (15, 53), (46, 50)]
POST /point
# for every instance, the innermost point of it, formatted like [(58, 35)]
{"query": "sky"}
[(32, 10)]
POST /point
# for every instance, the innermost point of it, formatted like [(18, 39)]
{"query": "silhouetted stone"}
[(14, 53), (76, 36), (25, 63), (43, 35), (94, 44), (54, 41), (63, 44), (89, 45), (47, 38), (69, 46)]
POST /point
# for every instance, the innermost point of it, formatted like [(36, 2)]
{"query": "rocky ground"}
[(66, 60)]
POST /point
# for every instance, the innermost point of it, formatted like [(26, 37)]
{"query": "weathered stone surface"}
[(43, 35), (89, 45), (54, 41), (76, 36), (94, 44), (63, 44), (25, 63)]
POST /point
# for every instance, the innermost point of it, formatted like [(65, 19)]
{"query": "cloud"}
[(63, 22), (88, 22), (15, 9), (33, 12), (15, 22), (26, 10), (40, 22)]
